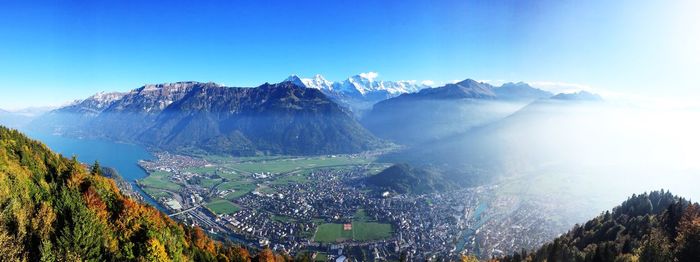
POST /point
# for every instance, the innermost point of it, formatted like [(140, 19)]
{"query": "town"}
[(328, 211)]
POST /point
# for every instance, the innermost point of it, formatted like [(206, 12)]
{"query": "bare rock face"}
[(279, 118)]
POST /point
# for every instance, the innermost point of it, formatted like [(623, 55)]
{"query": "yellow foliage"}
[(468, 258), (265, 255), (156, 251), (42, 222)]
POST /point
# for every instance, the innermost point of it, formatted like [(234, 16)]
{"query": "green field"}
[(202, 170), (240, 189), (291, 178), (321, 257), (156, 193), (362, 230), (266, 190), (222, 206), (331, 232), (282, 165), (159, 180), (209, 183), (283, 219)]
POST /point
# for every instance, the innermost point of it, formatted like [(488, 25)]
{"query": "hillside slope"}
[(192, 117), (545, 132), (436, 113), (649, 227), (402, 178), (54, 209)]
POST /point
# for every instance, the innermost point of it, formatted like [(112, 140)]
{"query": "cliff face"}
[(189, 116)]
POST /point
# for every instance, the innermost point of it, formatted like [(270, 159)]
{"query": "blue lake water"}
[(122, 157)]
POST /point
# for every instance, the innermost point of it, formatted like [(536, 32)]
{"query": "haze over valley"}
[(279, 165), (338, 131)]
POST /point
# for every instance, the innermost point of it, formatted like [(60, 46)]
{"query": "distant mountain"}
[(364, 85), (465, 89), (34, 111), (434, 113), (578, 96), (520, 91), (402, 179), (649, 227), (539, 133), (92, 105), (358, 92), (279, 118), (74, 117), (22, 117)]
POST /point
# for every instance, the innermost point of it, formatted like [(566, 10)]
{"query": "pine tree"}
[(96, 170)]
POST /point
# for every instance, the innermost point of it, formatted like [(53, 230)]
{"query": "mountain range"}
[(281, 118), (22, 117), (435, 113), (540, 132), (298, 116), (358, 92)]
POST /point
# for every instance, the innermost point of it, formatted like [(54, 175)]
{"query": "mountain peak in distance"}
[(578, 96)]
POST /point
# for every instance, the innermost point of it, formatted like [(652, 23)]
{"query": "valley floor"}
[(321, 205)]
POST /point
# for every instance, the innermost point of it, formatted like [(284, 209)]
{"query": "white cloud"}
[(370, 75), (427, 82)]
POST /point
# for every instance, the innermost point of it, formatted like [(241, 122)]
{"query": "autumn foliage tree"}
[(55, 209), (654, 227)]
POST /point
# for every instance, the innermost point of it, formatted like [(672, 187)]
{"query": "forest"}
[(655, 226), (56, 209)]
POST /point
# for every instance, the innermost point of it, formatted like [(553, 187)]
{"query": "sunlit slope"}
[(53, 208), (649, 227), (193, 117)]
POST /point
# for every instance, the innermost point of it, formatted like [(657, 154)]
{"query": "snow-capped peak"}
[(295, 80), (361, 84), (369, 75), (106, 97), (317, 82), (170, 87), (365, 83)]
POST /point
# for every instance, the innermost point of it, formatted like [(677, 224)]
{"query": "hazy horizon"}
[(70, 51)]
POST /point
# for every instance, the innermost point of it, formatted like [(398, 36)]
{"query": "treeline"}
[(657, 226), (54, 209)]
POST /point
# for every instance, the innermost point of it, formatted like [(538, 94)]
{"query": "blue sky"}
[(62, 50)]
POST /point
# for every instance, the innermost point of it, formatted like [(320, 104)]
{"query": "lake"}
[(122, 157)]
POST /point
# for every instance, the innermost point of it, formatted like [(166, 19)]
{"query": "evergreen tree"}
[(96, 170)]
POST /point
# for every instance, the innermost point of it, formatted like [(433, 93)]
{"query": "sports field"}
[(221, 206), (362, 230), (159, 180)]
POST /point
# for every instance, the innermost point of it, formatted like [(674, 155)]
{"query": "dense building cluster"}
[(285, 216)]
